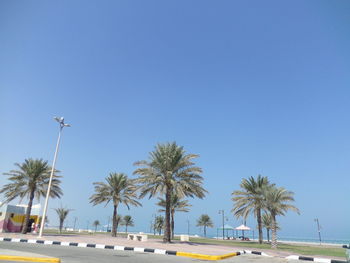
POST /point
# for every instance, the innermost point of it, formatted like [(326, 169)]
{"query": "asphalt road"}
[(93, 255)]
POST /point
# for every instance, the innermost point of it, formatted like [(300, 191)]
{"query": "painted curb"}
[(136, 249), (320, 260), (29, 259), (163, 252), (206, 257)]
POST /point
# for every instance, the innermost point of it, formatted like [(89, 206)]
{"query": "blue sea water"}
[(314, 240), (308, 240)]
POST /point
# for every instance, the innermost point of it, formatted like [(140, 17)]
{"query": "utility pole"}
[(43, 218), (223, 223), (188, 227), (109, 219), (318, 229), (75, 220), (154, 224)]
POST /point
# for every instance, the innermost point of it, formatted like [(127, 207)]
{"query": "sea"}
[(302, 239), (306, 240)]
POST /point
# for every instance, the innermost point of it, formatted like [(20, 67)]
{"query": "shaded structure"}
[(12, 218), (243, 228), (226, 228)]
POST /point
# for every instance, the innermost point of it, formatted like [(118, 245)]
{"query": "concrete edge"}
[(164, 252), (320, 260), (29, 259), (206, 257)]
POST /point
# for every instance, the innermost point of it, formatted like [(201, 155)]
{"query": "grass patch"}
[(291, 248)]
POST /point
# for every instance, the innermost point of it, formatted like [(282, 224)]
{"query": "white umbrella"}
[(243, 228)]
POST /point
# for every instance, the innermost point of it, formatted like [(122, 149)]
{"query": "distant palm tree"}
[(205, 222), (176, 205), (29, 181), (62, 215), (159, 224), (127, 221), (170, 170), (96, 223), (250, 200), (266, 223), (118, 189), (119, 221), (277, 202)]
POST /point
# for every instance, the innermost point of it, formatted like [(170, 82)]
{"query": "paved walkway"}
[(122, 241), (199, 248)]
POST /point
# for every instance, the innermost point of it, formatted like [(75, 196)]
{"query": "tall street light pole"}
[(223, 223), (318, 228), (188, 227), (109, 219), (62, 125), (154, 224), (75, 220)]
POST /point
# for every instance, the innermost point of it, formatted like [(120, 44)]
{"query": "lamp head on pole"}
[(60, 120)]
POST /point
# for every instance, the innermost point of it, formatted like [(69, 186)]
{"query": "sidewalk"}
[(104, 239)]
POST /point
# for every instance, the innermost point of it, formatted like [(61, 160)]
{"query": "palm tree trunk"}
[(172, 224), (29, 209), (258, 216), (268, 234), (126, 228), (205, 231), (167, 236), (61, 226), (114, 224), (273, 230)]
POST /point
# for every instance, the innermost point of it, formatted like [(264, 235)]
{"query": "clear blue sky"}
[(254, 87)]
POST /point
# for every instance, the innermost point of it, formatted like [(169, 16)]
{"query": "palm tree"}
[(277, 202), (119, 221), (29, 181), (250, 200), (266, 223), (169, 170), (176, 205), (118, 189), (96, 223), (159, 224), (205, 222), (127, 221), (62, 215)]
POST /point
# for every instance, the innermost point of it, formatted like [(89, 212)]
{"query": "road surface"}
[(93, 255)]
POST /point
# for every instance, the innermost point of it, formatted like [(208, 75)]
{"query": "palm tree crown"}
[(159, 224), (62, 215), (96, 223), (205, 221), (127, 221), (170, 170), (118, 189), (250, 199), (31, 181)]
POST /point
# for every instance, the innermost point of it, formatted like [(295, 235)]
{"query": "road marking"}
[(29, 259)]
